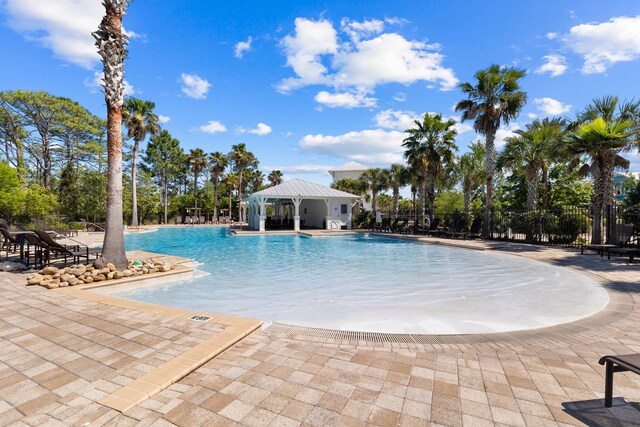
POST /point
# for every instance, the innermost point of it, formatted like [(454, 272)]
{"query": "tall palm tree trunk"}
[(134, 186), (531, 177), (195, 189), (545, 188), (431, 195), (396, 197), (490, 164), (240, 216), (165, 201), (467, 194), (215, 200), (112, 48)]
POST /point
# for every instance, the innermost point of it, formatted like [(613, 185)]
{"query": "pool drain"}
[(199, 318)]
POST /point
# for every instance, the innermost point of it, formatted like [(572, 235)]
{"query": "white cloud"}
[(400, 97), (551, 107), (368, 59), (212, 126), (261, 129), (95, 84), (163, 119), (64, 26), (505, 132), (555, 65), (532, 115), (603, 44), (300, 169), (552, 36), (403, 120), (303, 51), (357, 30), (369, 146), (242, 47), (344, 100), (194, 86)]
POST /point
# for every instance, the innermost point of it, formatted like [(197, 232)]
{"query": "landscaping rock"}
[(74, 282), (111, 267), (52, 285), (67, 277), (35, 280), (100, 278), (49, 271), (127, 273), (88, 279), (165, 268), (111, 275), (145, 270), (78, 270), (118, 274), (105, 271)]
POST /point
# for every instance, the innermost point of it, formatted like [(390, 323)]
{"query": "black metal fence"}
[(568, 226)]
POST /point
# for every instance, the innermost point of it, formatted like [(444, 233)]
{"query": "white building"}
[(351, 170), (308, 204)]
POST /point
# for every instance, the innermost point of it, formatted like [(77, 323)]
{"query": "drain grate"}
[(378, 337), (199, 318)]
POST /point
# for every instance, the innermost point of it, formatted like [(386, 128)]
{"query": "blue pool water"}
[(365, 283)]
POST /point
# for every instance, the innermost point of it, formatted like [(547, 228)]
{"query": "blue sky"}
[(310, 85)]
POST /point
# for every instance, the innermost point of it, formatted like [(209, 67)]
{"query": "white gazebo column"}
[(296, 213), (263, 214), (328, 217)]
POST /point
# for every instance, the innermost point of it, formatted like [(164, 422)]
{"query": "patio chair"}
[(398, 227), (39, 250), (630, 252), (613, 364), (473, 232), (624, 232), (408, 228), (434, 229), (56, 233), (384, 225), (75, 251), (459, 227), (9, 242)]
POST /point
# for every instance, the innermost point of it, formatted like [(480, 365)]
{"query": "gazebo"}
[(313, 205)]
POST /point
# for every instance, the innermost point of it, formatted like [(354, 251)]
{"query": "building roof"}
[(304, 189), (351, 166)]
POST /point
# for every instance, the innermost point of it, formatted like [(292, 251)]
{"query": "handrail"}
[(96, 226)]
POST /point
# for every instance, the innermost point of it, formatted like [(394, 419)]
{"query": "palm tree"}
[(217, 164), (602, 131), (255, 178), (398, 177), (197, 160), (112, 47), (532, 150), (139, 119), (376, 180), (230, 181), (430, 149), (241, 158), (275, 177), (470, 169), (496, 98)]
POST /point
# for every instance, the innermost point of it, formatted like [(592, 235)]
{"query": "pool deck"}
[(64, 352)]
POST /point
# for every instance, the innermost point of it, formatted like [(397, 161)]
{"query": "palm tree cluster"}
[(591, 144)]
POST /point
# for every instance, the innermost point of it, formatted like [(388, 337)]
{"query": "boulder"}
[(145, 270), (88, 279), (127, 273), (111, 275), (49, 271), (75, 281), (100, 278), (166, 267), (67, 277), (64, 284), (78, 270), (111, 267), (52, 285), (56, 276), (105, 271), (35, 280), (158, 262), (118, 274)]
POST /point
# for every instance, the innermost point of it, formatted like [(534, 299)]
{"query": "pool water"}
[(365, 283)]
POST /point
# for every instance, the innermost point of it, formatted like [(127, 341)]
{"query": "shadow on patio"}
[(593, 413)]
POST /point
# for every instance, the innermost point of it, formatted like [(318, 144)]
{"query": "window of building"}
[(343, 209)]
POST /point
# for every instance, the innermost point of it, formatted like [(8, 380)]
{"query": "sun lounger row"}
[(625, 238)]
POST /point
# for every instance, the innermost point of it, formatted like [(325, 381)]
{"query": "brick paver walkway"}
[(60, 355)]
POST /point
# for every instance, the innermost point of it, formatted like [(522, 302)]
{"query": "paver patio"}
[(60, 355)]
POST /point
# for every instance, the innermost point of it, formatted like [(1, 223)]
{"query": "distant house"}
[(618, 180), (351, 170)]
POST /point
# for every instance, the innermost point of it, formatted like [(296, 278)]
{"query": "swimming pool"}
[(364, 283)]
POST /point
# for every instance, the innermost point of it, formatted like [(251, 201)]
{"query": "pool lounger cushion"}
[(613, 364)]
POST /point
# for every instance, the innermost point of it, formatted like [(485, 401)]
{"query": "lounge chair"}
[(75, 251), (9, 242), (630, 252), (459, 227), (473, 232), (408, 228), (434, 229), (58, 234), (392, 226), (613, 364), (384, 225), (399, 227), (623, 236)]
